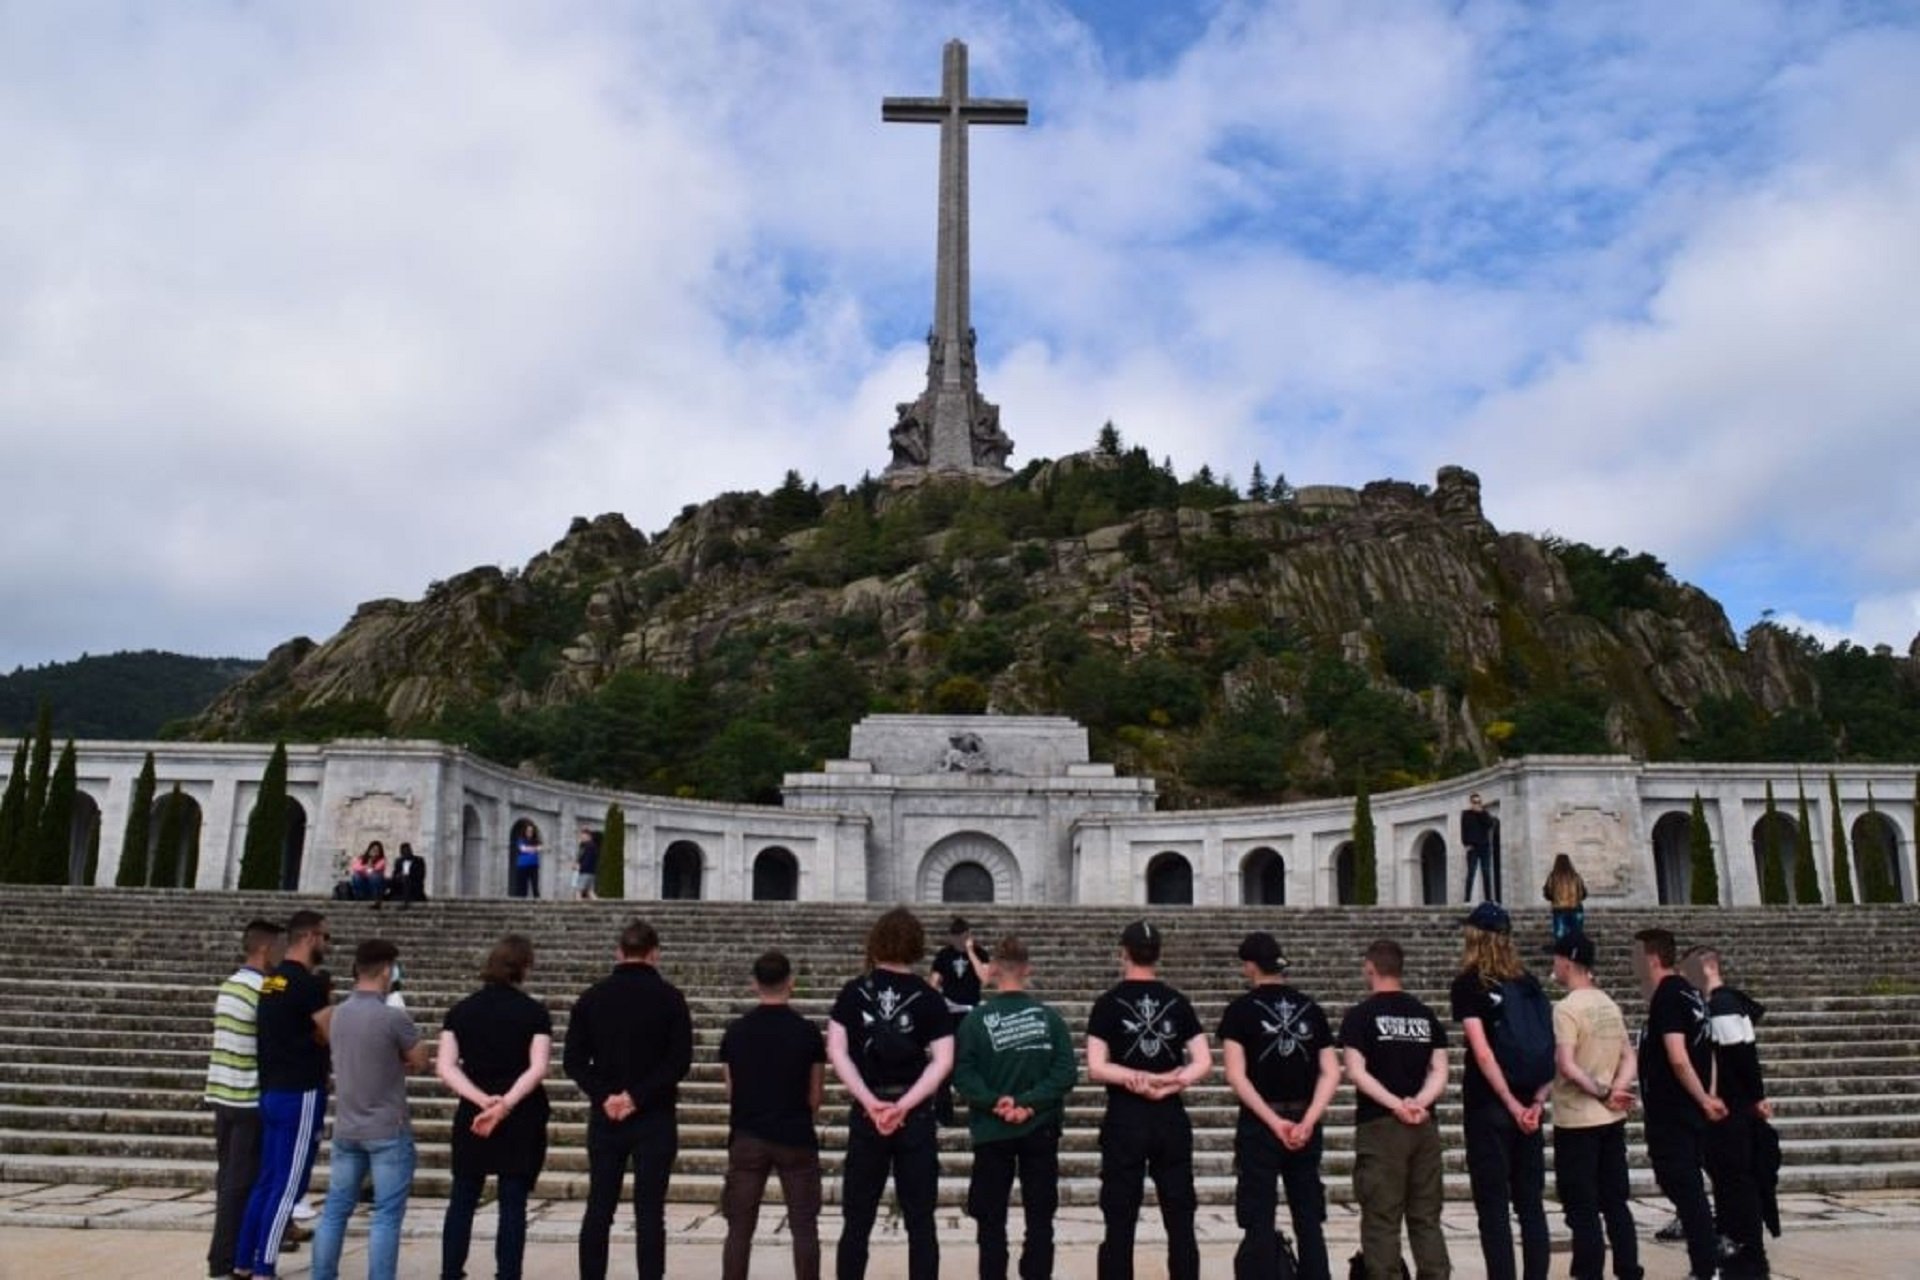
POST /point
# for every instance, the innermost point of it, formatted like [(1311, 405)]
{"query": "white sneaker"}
[(303, 1211)]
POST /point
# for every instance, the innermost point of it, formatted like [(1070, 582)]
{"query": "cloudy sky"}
[(303, 304)]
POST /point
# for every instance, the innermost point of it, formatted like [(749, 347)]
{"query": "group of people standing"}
[(895, 1038)]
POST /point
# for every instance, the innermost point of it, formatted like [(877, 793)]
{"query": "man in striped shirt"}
[(233, 1088)]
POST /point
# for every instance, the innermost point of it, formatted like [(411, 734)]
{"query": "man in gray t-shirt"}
[(375, 1044)]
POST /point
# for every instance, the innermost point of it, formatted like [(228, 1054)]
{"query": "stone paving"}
[(52, 1231)]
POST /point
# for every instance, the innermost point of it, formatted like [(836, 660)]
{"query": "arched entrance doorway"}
[(83, 839), (1343, 892), (173, 853), (1876, 850), (1775, 836), (1169, 880), (1673, 858), (941, 875), (681, 868), (473, 851), (1432, 854), (295, 847), (776, 875), (1263, 879)]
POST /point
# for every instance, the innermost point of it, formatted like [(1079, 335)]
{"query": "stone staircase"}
[(104, 1018)]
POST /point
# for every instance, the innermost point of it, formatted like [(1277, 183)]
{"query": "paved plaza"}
[(50, 1232)]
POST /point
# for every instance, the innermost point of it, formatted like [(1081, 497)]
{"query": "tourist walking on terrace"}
[(1283, 1068), (890, 1039), (586, 864), (957, 971), (291, 1027), (1676, 1061), (1732, 1149), (629, 1044), (1566, 893), (774, 1063), (1507, 1023), (1592, 1094), (495, 1046), (1396, 1056), (233, 1089), (374, 1046), (1146, 1044), (1480, 834), (1014, 1065)]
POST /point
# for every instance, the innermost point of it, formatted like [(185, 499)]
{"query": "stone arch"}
[(176, 868), (776, 875), (1430, 855), (1343, 873), (682, 868), (83, 839), (1169, 880), (1263, 878), (294, 849), (967, 882), (978, 847), (1875, 837), (1673, 858), (1775, 835), (473, 851)]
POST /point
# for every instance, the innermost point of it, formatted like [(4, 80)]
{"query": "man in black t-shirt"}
[(1676, 1060), (1731, 1150), (957, 970), (774, 1064), (1480, 836), (293, 1021), (1396, 1056), (1283, 1068), (890, 1039), (1145, 1043)]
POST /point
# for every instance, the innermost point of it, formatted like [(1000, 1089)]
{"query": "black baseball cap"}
[(1263, 950), (1577, 947), (1490, 917)]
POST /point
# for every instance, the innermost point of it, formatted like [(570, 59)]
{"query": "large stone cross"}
[(950, 427)]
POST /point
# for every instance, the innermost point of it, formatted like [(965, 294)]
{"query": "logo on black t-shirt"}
[(1284, 1023), (1697, 1010), (1150, 1023)]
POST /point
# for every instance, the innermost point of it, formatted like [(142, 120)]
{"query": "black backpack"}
[(1523, 1036), (890, 1047)]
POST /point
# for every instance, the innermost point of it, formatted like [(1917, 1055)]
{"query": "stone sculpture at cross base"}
[(951, 429)]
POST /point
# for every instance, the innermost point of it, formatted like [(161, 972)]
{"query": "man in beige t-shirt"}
[(1592, 1093)]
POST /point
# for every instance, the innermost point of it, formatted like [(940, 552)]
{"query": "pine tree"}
[(1706, 872), (133, 846), (12, 807), (53, 847), (1280, 489), (1108, 445), (1366, 871), (1806, 873), (1773, 876), (26, 854), (1257, 490), (1842, 874), (166, 850), (267, 826), (611, 880)]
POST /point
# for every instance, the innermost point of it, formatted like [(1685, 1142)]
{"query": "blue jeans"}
[(369, 886), (391, 1160)]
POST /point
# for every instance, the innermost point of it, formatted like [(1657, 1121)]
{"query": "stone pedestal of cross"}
[(951, 428)]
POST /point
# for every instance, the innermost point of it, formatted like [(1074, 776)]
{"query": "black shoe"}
[(1672, 1233)]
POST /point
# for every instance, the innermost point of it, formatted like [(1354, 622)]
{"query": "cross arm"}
[(914, 110), (993, 111)]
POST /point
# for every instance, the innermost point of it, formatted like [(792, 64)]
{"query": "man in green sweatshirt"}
[(1014, 1064)]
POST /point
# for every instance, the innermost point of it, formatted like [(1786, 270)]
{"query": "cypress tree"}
[(611, 879), (1842, 872), (1705, 891), (166, 849), (26, 852), (133, 845), (12, 807), (1806, 873), (53, 845), (267, 826), (1366, 872), (1773, 876)]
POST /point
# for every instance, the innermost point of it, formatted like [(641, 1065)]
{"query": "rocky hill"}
[(1240, 649)]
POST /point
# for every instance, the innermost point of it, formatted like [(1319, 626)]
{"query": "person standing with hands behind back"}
[(1592, 1093), (1676, 1060)]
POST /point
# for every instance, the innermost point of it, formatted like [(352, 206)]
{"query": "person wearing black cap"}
[(1396, 1056), (958, 969), (1283, 1068), (1502, 1014), (1146, 1044), (1592, 1093)]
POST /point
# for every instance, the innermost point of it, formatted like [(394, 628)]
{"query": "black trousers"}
[(1590, 1174), (1728, 1151), (1481, 857), (648, 1141), (1035, 1159), (911, 1156), (236, 1155), (1507, 1170), (1259, 1162), (1154, 1140), (525, 883), (1674, 1151)]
